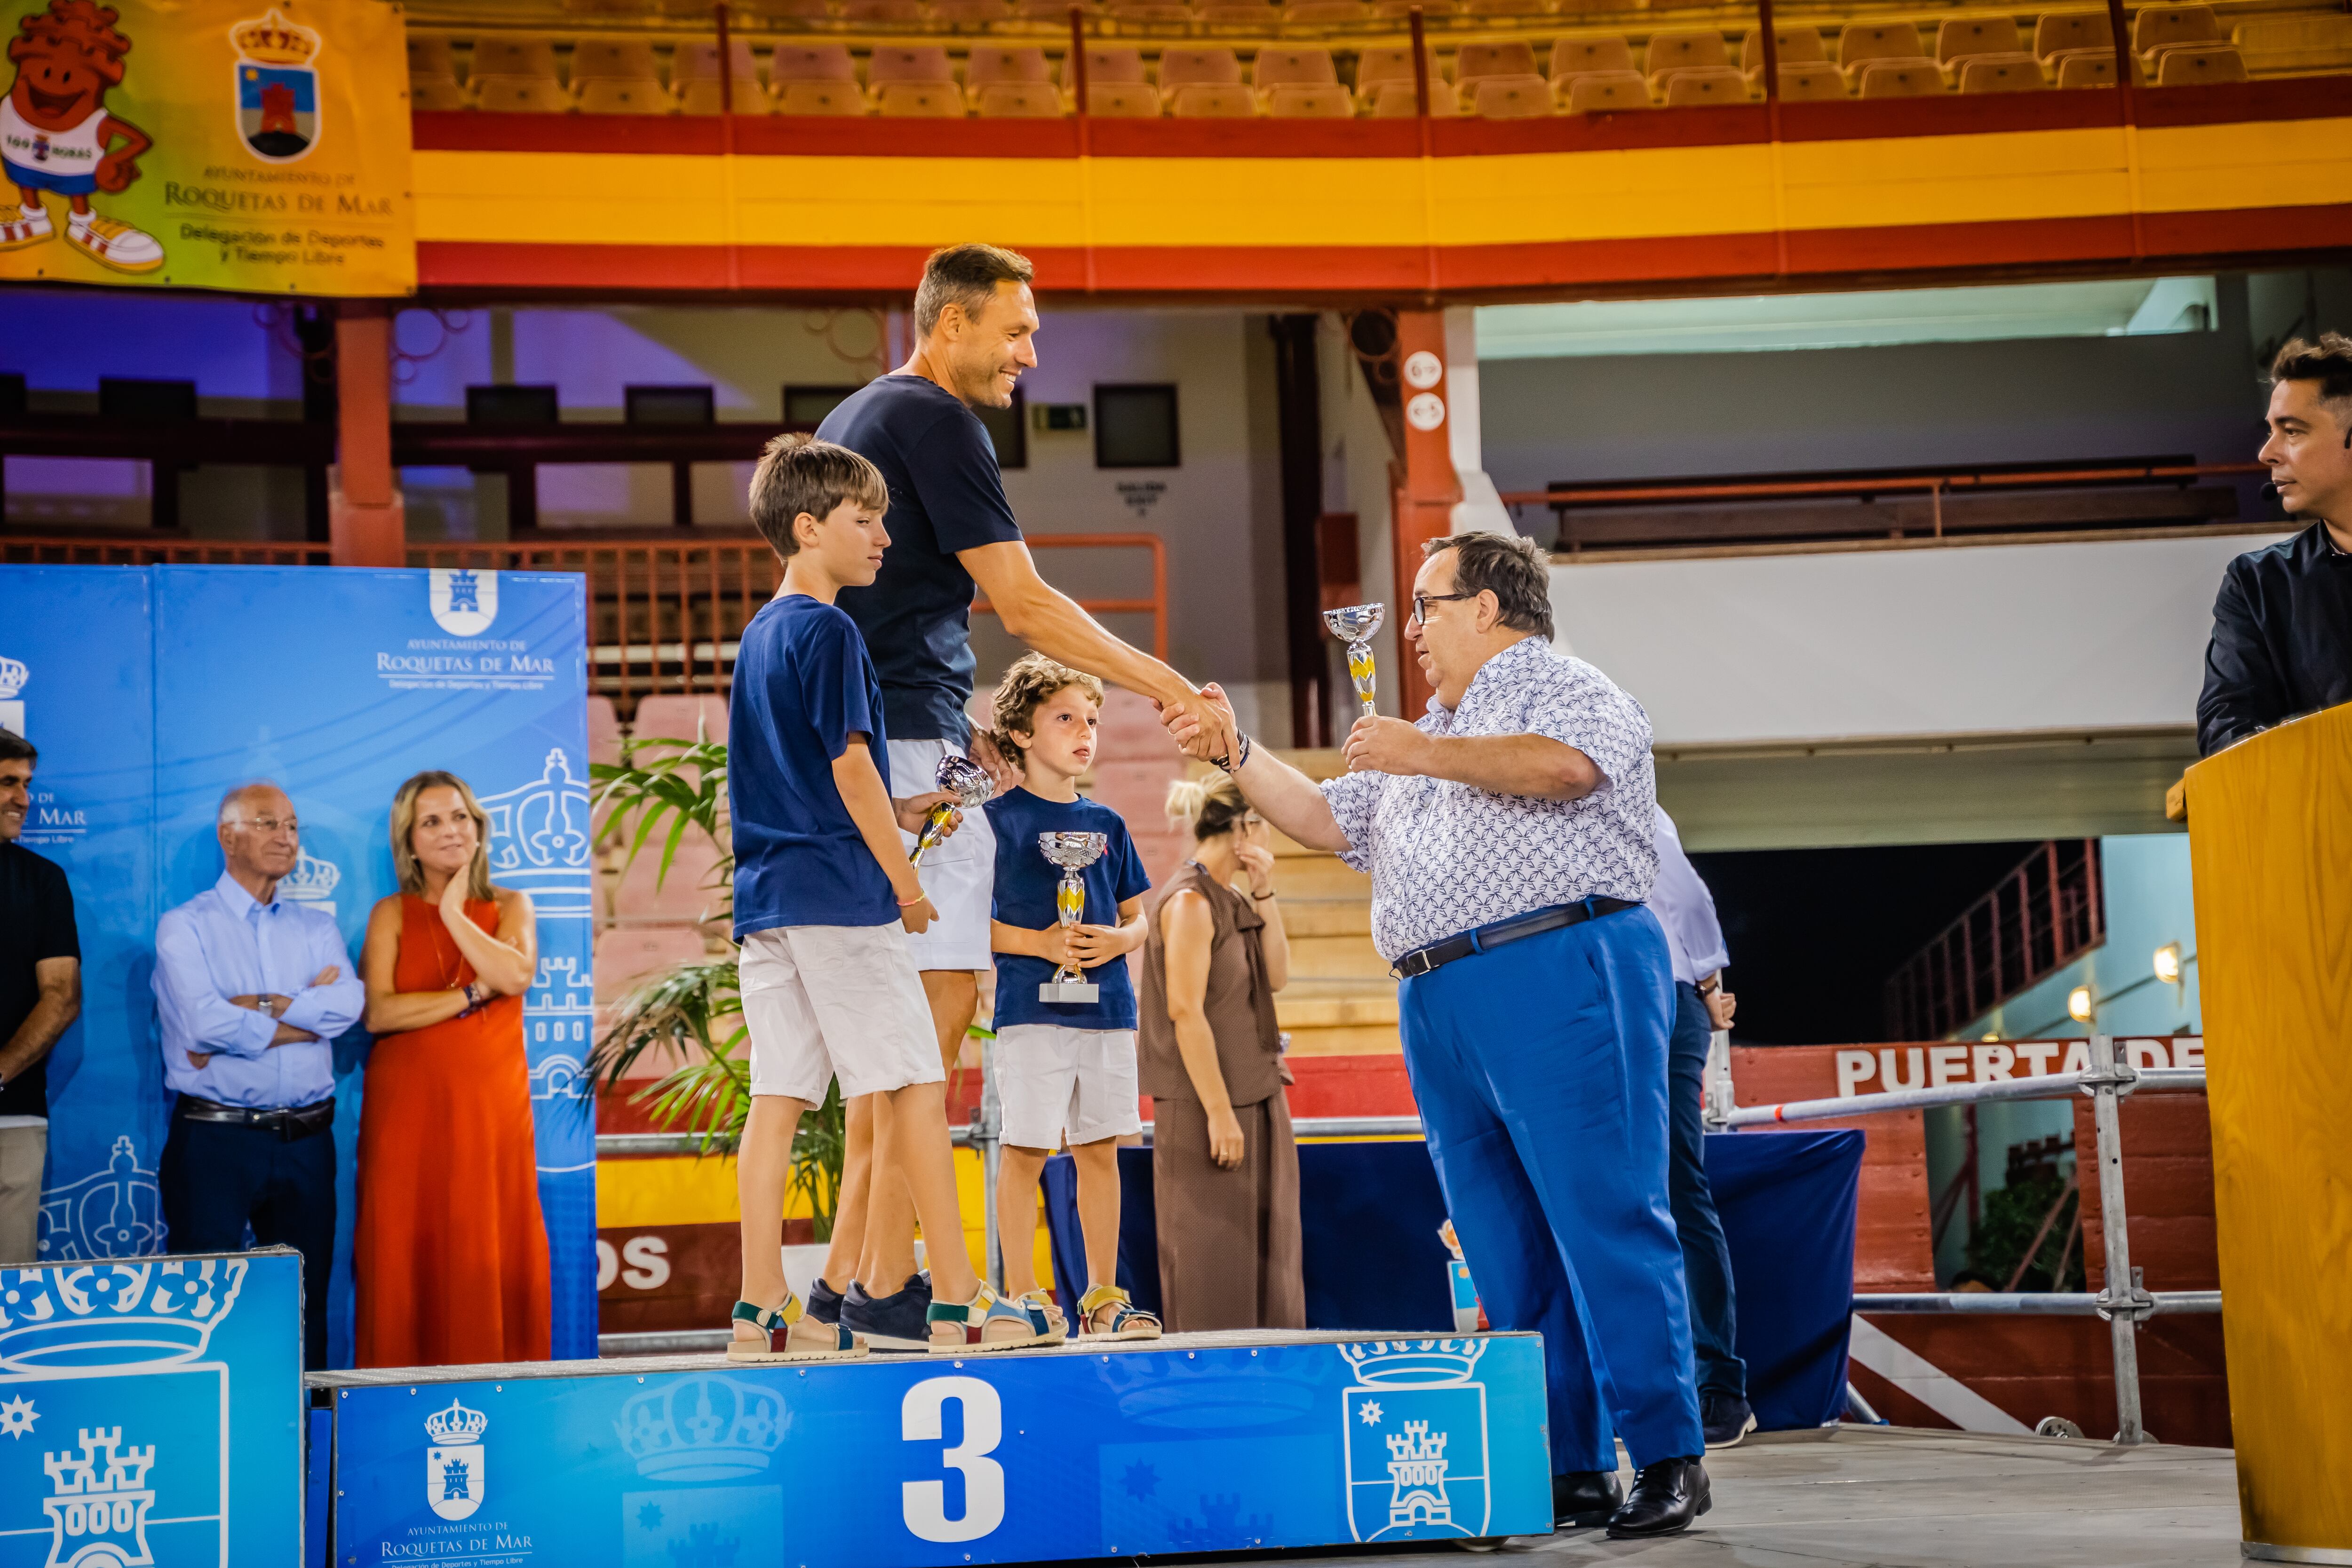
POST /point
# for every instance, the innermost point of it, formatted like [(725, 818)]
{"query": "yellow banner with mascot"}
[(256, 145)]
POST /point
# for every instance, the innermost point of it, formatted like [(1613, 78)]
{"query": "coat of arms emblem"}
[(1416, 1429), (464, 602), (454, 1467), (276, 87)]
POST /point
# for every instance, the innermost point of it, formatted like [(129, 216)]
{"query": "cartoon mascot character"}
[(55, 134)]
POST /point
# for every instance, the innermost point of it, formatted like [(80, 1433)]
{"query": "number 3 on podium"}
[(925, 1502)]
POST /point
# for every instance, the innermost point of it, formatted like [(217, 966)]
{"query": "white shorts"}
[(826, 1002), (959, 876), (1053, 1082)]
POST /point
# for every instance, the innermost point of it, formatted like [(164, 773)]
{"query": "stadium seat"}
[(1303, 100), (1861, 42), (1795, 47), (969, 13), (513, 54), (919, 100), (821, 98), (2192, 65), (1397, 10), (1017, 100), (603, 731), (797, 10), (2158, 26), (1383, 63), (604, 95), (1123, 99), (1005, 63), (520, 95), (614, 59), (628, 954), (1506, 9), (810, 62), (2064, 32), (1212, 100), (1901, 79), (2017, 72), (1399, 100), (1151, 14), (1325, 13), (1511, 97), (1107, 63), (1704, 86), (908, 62), (1811, 81), (1958, 38), (1476, 62), (672, 716), (1260, 13), (432, 93), (1691, 48), (1211, 63), (1587, 56), (1304, 65), (2088, 67), (1608, 94), (1049, 10), (430, 56), (893, 11), (694, 77)]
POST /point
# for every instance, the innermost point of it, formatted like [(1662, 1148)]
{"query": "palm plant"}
[(667, 788)]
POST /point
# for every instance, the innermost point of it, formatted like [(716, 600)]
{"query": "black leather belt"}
[(1422, 960), (289, 1123)]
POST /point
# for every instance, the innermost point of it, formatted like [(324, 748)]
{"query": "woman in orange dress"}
[(449, 1255)]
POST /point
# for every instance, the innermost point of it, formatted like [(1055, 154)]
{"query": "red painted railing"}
[(2037, 920)]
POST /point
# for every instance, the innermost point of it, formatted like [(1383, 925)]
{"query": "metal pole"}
[(2123, 1302), (985, 1130)]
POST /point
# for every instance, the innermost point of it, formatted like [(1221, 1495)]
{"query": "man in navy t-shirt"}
[(951, 526)]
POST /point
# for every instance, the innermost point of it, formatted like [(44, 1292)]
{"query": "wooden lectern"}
[(2270, 828)]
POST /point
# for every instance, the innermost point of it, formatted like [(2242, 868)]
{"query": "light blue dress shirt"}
[(1685, 907), (222, 943)]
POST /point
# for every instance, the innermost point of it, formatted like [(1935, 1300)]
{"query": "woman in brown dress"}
[(1224, 1169), (449, 1253)]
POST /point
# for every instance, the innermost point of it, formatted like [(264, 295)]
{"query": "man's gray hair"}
[(233, 797), (1507, 566), (965, 275)]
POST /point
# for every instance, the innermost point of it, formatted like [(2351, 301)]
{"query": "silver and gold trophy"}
[(971, 786), (1355, 625), (1073, 852)]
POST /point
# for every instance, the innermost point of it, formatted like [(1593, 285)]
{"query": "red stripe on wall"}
[(1390, 271)]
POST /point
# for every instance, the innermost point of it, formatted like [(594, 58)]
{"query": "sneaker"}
[(896, 1324), (114, 244), (1725, 1419), (824, 1302), (27, 226)]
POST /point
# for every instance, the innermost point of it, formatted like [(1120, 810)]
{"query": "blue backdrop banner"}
[(899, 1462), (153, 1410), (150, 691)]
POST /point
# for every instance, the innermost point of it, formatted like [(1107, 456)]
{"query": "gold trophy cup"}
[(1355, 625), (971, 786), (1073, 852)]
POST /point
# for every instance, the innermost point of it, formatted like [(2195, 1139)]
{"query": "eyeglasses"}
[(270, 824), (1421, 603)]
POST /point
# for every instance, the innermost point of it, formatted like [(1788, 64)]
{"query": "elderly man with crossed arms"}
[(1509, 835)]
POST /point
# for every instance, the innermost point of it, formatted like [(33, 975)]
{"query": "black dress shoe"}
[(1582, 1498), (1667, 1497)]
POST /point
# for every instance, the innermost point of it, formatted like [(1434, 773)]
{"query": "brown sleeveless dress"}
[(1229, 1240)]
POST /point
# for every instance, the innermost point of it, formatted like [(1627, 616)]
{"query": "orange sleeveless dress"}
[(449, 1254)]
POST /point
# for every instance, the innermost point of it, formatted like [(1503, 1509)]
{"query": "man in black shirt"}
[(950, 527), (40, 995), (2282, 642)]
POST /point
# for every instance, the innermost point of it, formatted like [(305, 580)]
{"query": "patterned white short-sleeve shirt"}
[(1446, 857)]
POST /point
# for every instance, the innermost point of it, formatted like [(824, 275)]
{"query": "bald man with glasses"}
[(250, 992)]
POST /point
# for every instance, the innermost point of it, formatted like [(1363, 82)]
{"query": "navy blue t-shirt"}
[(946, 495), (802, 687), (1025, 881)]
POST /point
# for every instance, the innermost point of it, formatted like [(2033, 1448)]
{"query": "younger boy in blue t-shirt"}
[(823, 899), (1064, 1071)]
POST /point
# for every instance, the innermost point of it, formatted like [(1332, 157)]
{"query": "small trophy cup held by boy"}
[(1355, 625), (1073, 852), (971, 786)]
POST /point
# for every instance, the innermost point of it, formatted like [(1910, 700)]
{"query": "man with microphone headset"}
[(2282, 641)]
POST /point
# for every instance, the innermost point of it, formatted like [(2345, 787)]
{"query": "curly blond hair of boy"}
[(1032, 682)]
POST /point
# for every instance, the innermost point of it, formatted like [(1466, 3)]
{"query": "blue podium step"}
[(1193, 1443)]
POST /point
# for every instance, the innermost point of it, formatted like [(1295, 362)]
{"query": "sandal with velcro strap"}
[(791, 1335), (1128, 1321), (986, 1322), (1046, 1312)]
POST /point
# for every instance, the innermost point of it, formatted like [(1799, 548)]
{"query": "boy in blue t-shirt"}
[(1063, 1070), (823, 899)]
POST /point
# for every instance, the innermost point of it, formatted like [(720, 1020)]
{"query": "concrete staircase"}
[(1340, 1000)]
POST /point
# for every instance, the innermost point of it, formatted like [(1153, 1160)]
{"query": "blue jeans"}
[(1706, 1261), (217, 1178), (1540, 1070)]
